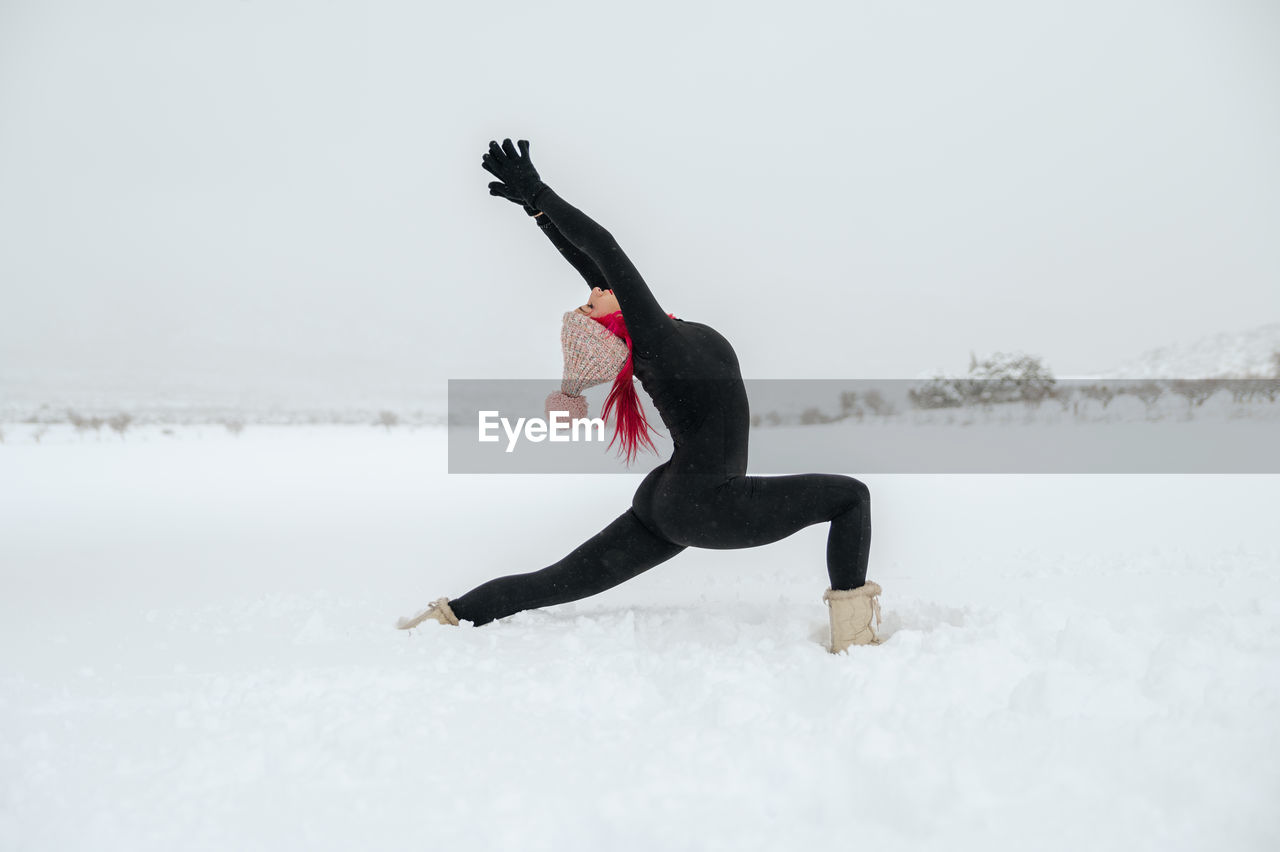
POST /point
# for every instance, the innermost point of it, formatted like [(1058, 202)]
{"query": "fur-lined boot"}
[(852, 613), (438, 611)]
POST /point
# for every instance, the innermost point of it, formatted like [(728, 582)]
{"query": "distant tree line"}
[(1005, 378), (1022, 378), (122, 422)]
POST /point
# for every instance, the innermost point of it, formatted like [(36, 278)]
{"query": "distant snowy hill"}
[(1224, 355)]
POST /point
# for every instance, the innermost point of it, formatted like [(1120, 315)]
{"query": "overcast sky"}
[(255, 192)]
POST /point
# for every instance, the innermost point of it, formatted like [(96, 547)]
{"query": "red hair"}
[(630, 425)]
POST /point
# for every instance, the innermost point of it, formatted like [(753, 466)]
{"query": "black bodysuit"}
[(701, 496)]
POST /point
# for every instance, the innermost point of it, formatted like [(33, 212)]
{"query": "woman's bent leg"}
[(622, 550), (748, 511)]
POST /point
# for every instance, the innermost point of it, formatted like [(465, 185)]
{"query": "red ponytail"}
[(630, 425)]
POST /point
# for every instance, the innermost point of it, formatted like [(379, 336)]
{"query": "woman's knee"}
[(856, 493)]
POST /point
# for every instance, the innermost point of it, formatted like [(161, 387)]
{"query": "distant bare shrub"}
[(1008, 378), (849, 406), (812, 416), (1, 436), (1148, 392), (234, 425), (939, 392), (1063, 394), (1275, 364), (1099, 393), (1254, 388), (854, 404), (81, 424), (387, 419), (120, 423), (40, 432), (1003, 377), (879, 406), (1195, 391)]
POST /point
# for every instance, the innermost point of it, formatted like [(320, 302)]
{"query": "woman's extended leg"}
[(748, 511), (622, 550)]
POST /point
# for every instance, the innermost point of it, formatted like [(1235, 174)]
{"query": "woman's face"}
[(601, 304)]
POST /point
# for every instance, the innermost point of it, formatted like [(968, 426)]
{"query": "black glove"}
[(514, 169), (501, 190)]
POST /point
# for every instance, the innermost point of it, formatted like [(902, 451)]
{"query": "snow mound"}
[(1224, 355)]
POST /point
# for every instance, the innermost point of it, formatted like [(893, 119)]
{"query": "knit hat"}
[(593, 355)]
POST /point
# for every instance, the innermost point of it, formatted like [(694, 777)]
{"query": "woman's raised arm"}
[(586, 266), (647, 323)]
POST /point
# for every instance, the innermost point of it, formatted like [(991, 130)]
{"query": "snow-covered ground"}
[(198, 654)]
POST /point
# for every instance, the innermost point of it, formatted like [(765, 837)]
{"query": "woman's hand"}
[(515, 170), (501, 190)]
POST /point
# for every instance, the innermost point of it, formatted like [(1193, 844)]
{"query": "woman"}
[(702, 496)]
